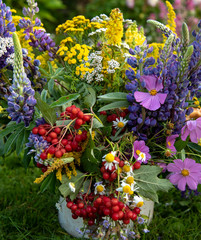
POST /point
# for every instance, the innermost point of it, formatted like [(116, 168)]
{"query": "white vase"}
[(71, 225)]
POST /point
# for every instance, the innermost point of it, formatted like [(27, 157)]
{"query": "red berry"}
[(74, 207), (58, 154), (81, 205), (121, 164), (94, 209), (106, 175), (39, 165), (106, 211), (74, 216), (80, 114), (63, 150), (108, 204), (72, 116), (114, 116), (48, 139), (44, 169), (35, 130), (79, 149), (68, 109), (117, 159), (54, 141), (62, 114), (43, 156), (78, 122), (74, 111), (69, 137), (84, 136), (86, 118), (103, 113), (91, 222), (78, 138), (51, 150), (57, 130), (99, 200), (134, 217), (115, 216), (64, 142), (102, 169), (115, 208), (121, 205), (122, 114), (53, 135), (109, 118), (78, 212), (113, 175), (121, 214), (136, 210), (130, 214), (76, 126), (137, 165), (114, 201), (68, 148), (89, 209), (69, 204), (126, 221), (83, 212), (74, 145), (42, 131)]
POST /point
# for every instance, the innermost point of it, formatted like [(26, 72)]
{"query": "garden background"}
[(27, 214)]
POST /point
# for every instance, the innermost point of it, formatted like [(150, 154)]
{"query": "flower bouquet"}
[(109, 118)]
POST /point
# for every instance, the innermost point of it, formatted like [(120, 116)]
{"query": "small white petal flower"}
[(120, 123), (142, 157), (72, 186), (110, 161), (100, 189), (138, 201)]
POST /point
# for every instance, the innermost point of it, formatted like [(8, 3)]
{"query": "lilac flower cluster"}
[(38, 144), (39, 38), (6, 28), (175, 83), (21, 100)]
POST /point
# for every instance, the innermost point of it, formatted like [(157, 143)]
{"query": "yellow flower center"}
[(126, 189), (120, 124), (153, 92), (185, 172), (130, 180), (126, 168), (169, 143), (109, 157), (142, 155), (131, 192), (99, 188), (138, 152), (139, 204)]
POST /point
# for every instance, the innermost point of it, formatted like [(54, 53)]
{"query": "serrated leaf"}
[(117, 104), (20, 142), (116, 96), (194, 146), (11, 128), (65, 99), (148, 182), (77, 180), (51, 86), (48, 113), (48, 183)]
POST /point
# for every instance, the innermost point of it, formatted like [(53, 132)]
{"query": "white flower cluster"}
[(100, 19), (10, 59), (98, 31), (5, 43), (95, 61), (112, 66)]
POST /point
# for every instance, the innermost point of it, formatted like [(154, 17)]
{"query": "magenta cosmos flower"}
[(141, 152), (192, 128), (185, 172), (151, 100), (170, 140)]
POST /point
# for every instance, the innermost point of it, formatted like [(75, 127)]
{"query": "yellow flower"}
[(171, 17), (1, 109)]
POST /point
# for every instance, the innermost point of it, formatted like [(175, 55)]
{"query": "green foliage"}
[(194, 146), (117, 104), (116, 96), (48, 113), (49, 183), (65, 99), (148, 182), (179, 145)]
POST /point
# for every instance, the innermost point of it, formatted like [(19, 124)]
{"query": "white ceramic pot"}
[(70, 225)]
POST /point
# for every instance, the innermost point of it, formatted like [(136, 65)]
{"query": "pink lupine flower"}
[(186, 172), (151, 100), (192, 128)]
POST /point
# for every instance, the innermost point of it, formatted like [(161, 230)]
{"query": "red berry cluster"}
[(91, 210), (113, 116), (74, 112), (107, 174)]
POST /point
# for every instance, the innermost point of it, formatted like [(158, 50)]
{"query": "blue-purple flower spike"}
[(21, 100)]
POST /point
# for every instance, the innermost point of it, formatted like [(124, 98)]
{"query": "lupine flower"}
[(170, 140), (151, 100), (186, 172), (141, 152), (192, 128)]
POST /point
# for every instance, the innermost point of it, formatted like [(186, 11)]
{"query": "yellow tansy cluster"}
[(82, 69), (133, 36), (114, 27)]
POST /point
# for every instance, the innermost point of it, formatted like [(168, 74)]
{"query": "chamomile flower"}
[(127, 190), (72, 186), (127, 168), (142, 157), (109, 160), (119, 123), (138, 201), (99, 189)]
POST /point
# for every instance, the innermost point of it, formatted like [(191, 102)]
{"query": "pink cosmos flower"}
[(170, 140), (151, 100), (185, 172), (192, 128), (141, 151), (163, 166)]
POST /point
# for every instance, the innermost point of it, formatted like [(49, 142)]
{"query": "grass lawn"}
[(27, 214)]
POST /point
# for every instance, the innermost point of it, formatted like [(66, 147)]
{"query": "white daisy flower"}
[(142, 157), (138, 201), (99, 189), (127, 168), (120, 123), (72, 186), (110, 161)]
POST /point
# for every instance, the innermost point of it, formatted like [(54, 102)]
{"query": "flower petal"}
[(189, 163), (174, 178), (152, 103), (162, 97), (171, 167), (182, 184), (141, 96), (184, 133), (191, 183)]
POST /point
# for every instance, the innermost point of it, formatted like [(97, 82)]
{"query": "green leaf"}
[(49, 183), (44, 95), (48, 113), (90, 99), (65, 99), (27, 158), (51, 86), (179, 145), (77, 180), (11, 128), (118, 104), (11, 140), (194, 146), (148, 182), (20, 142), (116, 96), (63, 122), (97, 123)]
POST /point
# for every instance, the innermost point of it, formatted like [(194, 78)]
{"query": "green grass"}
[(27, 214)]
